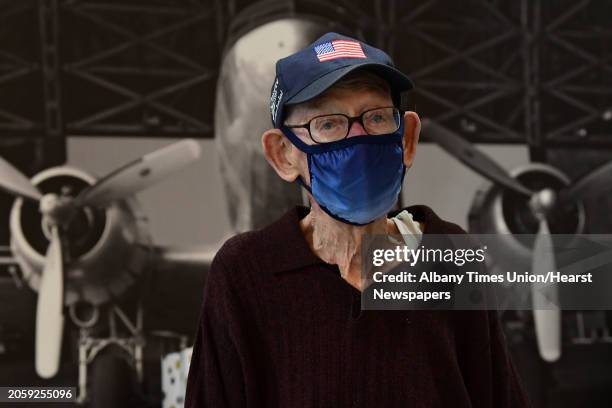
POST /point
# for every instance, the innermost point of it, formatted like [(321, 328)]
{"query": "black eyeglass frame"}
[(351, 120)]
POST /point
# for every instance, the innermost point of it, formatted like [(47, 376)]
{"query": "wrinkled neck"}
[(339, 243)]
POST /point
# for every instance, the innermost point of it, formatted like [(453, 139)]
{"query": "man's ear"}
[(412, 129), (279, 153)]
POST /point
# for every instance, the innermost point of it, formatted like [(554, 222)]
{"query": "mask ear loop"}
[(304, 148), (296, 141), (300, 181)]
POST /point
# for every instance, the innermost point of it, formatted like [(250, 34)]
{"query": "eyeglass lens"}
[(331, 128)]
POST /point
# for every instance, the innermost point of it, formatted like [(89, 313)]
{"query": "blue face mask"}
[(355, 180)]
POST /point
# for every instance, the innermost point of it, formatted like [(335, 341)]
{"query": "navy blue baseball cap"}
[(308, 73)]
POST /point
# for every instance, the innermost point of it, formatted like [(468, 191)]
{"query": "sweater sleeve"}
[(215, 375)]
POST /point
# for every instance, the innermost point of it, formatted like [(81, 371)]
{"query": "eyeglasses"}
[(331, 128)]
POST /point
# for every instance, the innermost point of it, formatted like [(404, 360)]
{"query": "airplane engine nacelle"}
[(106, 250), (506, 214)]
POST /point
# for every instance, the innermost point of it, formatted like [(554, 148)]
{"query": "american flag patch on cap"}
[(339, 49)]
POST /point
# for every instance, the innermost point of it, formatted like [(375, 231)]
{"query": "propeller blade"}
[(140, 174), (15, 182), (596, 182), (49, 311), (469, 155), (545, 297)]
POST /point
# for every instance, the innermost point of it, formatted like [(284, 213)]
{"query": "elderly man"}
[(281, 323)]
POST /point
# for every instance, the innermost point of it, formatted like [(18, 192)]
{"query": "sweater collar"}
[(289, 250)]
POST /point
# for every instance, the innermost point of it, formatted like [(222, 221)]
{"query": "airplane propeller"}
[(15, 182), (545, 298), (595, 182), (547, 315), (58, 211), (49, 310), (140, 174), (466, 153)]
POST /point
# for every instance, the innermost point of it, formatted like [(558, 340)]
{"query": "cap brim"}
[(397, 81)]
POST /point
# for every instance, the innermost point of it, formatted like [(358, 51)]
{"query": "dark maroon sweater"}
[(281, 328)]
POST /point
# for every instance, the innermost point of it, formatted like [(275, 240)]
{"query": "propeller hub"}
[(542, 202), (48, 203), (57, 209)]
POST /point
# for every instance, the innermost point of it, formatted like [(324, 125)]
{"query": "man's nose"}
[(356, 130)]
